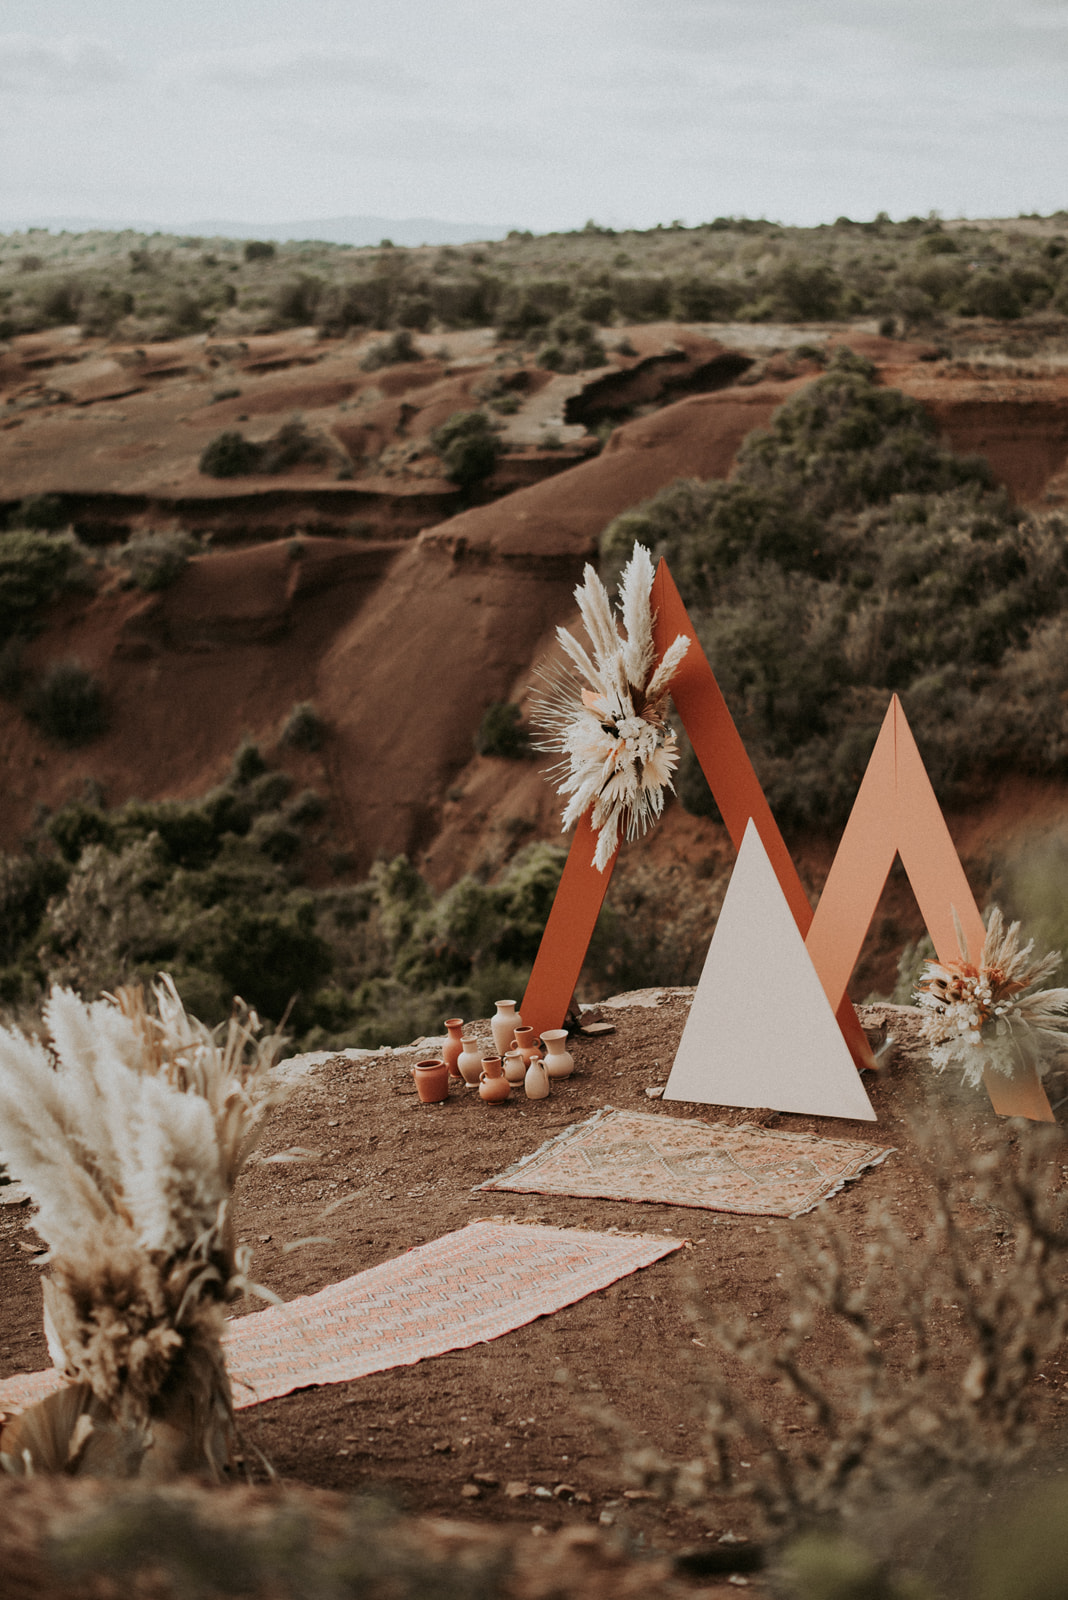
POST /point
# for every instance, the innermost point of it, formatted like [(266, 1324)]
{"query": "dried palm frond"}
[(611, 728), (993, 1015), (130, 1134)]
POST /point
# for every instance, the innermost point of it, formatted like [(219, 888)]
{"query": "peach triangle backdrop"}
[(896, 813)]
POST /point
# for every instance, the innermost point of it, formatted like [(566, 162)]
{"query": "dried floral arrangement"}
[(130, 1131), (607, 715), (995, 1015)]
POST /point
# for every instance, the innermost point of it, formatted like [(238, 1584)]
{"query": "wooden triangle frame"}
[(726, 765), (896, 813)]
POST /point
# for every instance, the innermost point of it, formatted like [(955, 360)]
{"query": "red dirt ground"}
[(529, 1410)]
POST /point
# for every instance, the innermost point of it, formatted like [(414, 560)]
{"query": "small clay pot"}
[(491, 1067), (453, 1045), (494, 1090), (559, 1062), (469, 1062), (526, 1041), (431, 1081), (515, 1068)]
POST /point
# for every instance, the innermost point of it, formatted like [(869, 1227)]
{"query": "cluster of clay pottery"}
[(535, 1081), (517, 1062)]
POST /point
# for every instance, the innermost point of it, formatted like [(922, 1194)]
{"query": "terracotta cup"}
[(431, 1081)]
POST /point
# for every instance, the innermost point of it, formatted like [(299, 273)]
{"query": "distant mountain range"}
[(334, 230)]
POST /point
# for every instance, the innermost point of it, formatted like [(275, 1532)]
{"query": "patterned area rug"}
[(633, 1155), (472, 1285)]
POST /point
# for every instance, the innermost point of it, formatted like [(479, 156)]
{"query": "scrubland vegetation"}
[(849, 557), (553, 290)]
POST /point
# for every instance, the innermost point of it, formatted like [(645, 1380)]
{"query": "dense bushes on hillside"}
[(35, 566), (468, 447), (850, 556), (231, 455), (909, 274), (212, 890)]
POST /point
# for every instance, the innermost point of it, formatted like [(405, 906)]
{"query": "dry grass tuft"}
[(130, 1130)]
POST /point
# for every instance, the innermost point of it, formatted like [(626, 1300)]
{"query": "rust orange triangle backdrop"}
[(895, 811), (736, 787)]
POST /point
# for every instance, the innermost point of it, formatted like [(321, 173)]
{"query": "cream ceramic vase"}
[(559, 1062), (536, 1082), (469, 1062), (503, 1023)]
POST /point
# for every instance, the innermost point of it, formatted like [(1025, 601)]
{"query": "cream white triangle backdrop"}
[(761, 1031)]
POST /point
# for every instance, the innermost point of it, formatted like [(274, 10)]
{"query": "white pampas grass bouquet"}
[(130, 1130), (607, 716), (994, 1016)]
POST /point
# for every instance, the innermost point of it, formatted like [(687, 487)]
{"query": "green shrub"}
[(531, 306), (230, 455), (572, 346), (643, 298), (708, 300), (991, 294), (34, 568), (806, 292), (101, 312), (304, 728), (415, 311), (501, 733), (67, 703), (259, 250), (247, 764), (296, 302), (60, 303), (468, 447), (42, 513), (156, 560), (391, 352)]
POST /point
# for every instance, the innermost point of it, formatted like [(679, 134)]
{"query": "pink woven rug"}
[(676, 1161), (469, 1286)]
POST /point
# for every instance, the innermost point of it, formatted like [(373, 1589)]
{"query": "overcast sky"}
[(536, 113)]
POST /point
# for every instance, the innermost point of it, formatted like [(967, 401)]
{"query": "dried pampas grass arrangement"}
[(130, 1132), (995, 1016), (607, 716)]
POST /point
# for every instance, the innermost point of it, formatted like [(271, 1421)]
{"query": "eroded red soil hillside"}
[(357, 583)]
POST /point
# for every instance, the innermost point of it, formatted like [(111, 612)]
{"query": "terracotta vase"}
[(431, 1081), (503, 1023), (559, 1062), (469, 1062), (527, 1042), (515, 1068), (493, 1086), (536, 1082), (453, 1045)]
